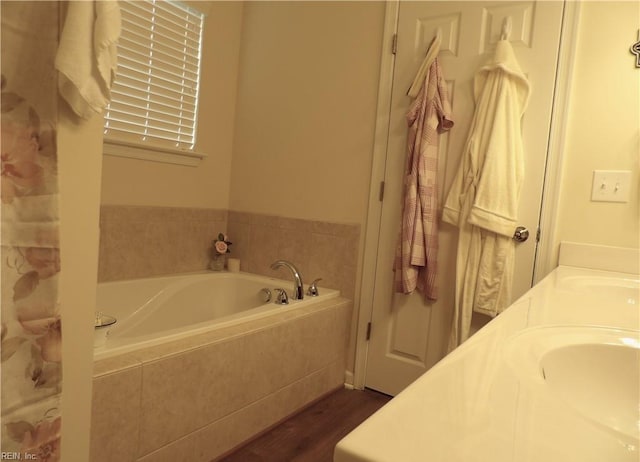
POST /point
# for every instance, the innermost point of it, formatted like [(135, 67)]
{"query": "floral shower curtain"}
[(30, 367)]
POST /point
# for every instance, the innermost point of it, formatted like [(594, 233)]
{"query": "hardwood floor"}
[(311, 435)]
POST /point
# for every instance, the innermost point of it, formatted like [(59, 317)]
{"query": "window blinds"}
[(154, 99)]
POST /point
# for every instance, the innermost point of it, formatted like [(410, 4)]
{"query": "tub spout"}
[(298, 292)]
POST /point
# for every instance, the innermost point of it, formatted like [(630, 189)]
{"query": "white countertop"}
[(488, 402)]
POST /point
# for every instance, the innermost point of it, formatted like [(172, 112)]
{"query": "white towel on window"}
[(87, 56)]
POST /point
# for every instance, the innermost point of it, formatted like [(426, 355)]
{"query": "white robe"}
[(483, 200)]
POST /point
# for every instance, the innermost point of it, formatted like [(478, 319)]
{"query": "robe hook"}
[(506, 28), (635, 49)]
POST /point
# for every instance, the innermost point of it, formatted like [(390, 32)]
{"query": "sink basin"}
[(599, 380), (595, 371)]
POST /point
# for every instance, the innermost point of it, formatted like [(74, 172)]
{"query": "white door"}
[(409, 335)]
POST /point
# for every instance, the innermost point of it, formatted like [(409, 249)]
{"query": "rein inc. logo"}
[(17, 456)]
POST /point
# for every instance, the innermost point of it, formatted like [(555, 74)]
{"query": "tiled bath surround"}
[(138, 242), (195, 399), (318, 249)]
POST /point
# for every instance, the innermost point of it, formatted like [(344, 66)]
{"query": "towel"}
[(87, 56)]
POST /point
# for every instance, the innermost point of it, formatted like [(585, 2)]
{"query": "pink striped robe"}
[(416, 263)]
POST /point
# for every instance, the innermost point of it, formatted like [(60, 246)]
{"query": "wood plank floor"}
[(311, 435)]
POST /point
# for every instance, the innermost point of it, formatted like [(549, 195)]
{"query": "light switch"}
[(611, 185)]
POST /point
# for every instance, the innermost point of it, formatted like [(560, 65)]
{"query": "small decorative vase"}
[(217, 262)]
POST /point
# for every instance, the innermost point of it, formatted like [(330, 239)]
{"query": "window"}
[(154, 99)]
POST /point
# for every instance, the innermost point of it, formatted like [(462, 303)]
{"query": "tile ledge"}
[(115, 365)]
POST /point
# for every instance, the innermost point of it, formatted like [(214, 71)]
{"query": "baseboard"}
[(348, 380)]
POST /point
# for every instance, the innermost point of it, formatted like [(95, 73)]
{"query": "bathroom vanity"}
[(553, 378)]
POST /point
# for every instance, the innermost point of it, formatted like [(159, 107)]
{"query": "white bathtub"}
[(156, 310)]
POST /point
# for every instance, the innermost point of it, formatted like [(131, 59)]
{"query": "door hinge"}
[(538, 235), (368, 331), (394, 44), (381, 192)]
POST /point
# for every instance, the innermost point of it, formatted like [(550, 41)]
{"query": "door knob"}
[(521, 234)]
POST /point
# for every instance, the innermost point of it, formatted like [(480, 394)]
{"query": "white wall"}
[(136, 182), (603, 130), (306, 109)]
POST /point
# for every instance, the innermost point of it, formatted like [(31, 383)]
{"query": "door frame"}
[(546, 250)]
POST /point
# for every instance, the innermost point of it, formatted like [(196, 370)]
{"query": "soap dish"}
[(103, 320)]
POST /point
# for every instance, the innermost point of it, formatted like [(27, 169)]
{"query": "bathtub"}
[(157, 310), (199, 363)]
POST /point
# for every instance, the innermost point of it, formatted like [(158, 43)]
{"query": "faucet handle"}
[(313, 288), (266, 294), (282, 298)]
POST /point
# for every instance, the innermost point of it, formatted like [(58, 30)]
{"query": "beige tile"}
[(123, 241), (106, 211), (160, 250), (103, 253), (322, 382), (277, 357), (347, 282), (344, 315), (114, 213), (182, 450), (336, 229), (185, 392), (239, 234), (261, 220), (240, 217), (318, 249), (177, 347), (217, 215), (204, 214), (115, 364), (115, 416), (295, 224), (320, 338), (335, 260), (147, 241), (184, 214), (199, 243), (190, 251), (215, 227), (264, 351), (263, 248), (223, 371), (234, 429), (294, 246), (141, 214), (335, 374)]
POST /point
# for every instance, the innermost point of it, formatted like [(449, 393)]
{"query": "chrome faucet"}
[(298, 292)]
